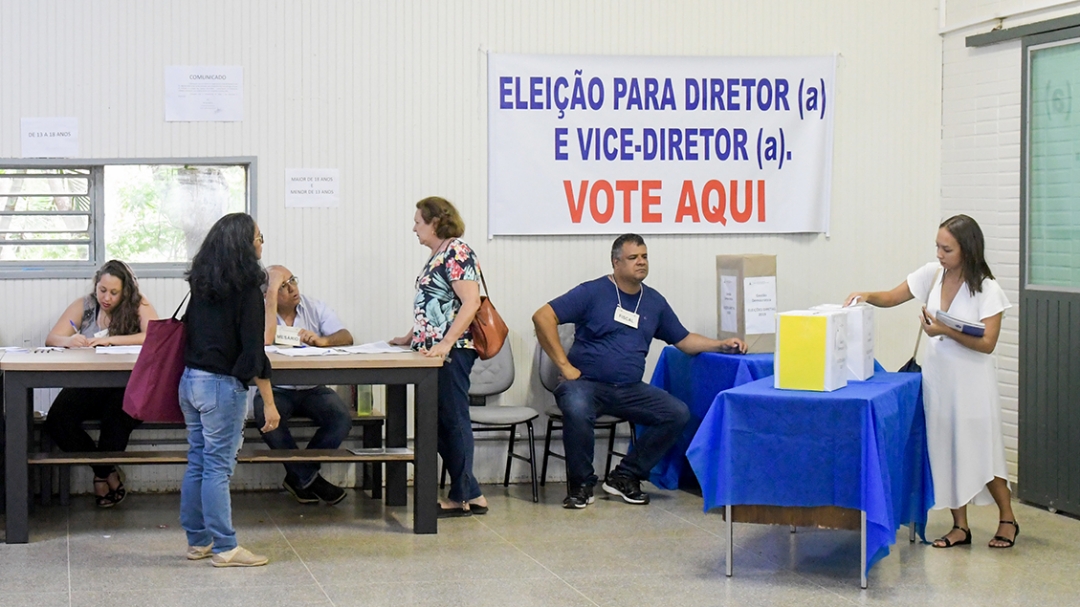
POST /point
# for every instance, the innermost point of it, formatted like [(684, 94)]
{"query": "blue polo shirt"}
[(608, 351)]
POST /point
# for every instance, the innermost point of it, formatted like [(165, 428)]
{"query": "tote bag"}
[(488, 329), (153, 391)]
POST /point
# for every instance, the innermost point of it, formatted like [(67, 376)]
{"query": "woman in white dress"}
[(960, 392)]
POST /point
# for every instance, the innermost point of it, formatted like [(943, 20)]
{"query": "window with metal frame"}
[(64, 219)]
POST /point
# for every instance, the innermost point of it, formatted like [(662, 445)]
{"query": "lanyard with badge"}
[(623, 316)]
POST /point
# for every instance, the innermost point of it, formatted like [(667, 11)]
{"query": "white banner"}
[(659, 145)]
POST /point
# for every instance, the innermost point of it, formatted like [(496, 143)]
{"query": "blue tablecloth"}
[(861, 447), (696, 380)]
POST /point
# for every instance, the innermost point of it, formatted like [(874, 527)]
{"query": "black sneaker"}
[(327, 491), (627, 488), (578, 498), (304, 496)]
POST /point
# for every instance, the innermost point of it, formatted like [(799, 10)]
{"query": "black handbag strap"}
[(182, 302), (925, 303)]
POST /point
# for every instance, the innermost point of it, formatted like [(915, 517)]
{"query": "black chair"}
[(549, 377), (488, 378)]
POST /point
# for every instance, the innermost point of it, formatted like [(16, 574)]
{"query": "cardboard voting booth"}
[(746, 300), (811, 352), (860, 339)]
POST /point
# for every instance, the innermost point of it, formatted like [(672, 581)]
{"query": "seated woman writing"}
[(114, 314)]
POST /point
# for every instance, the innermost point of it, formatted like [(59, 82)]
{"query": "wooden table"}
[(83, 368)]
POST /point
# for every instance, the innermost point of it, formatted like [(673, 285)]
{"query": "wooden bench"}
[(369, 472)]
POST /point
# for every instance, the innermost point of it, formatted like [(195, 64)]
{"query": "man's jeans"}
[(214, 407), (324, 407), (582, 401)]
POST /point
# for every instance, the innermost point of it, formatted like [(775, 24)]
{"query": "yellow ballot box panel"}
[(811, 351)]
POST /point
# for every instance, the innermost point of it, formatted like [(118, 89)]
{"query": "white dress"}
[(960, 395)]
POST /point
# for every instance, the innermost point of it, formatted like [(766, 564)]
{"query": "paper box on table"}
[(746, 300), (860, 339), (811, 350)]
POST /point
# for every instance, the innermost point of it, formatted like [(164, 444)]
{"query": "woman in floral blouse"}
[(447, 298)]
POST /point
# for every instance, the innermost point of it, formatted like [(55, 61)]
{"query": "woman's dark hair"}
[(226, 262), (969, 236), (448, 223), (124, 318)]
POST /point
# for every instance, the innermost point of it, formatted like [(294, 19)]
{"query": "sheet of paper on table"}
[(378, 347), (308, 351), (118, 349)]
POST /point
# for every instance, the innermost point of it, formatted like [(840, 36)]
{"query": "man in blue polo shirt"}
[(616, 318), (319, 326)]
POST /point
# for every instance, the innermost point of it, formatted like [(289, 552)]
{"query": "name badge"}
[(102, 333), (626, 317), (287, 336)]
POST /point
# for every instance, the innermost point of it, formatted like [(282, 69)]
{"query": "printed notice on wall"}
[(50, 137), (312, 187), (204, 93), (759, 299), (729, 313)]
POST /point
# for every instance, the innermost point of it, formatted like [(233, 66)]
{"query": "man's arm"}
[(338, 338), (273, 287), (547, 333), (696, 344)]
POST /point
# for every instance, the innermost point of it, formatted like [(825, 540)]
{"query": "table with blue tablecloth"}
[(861, 447), (696, 380)]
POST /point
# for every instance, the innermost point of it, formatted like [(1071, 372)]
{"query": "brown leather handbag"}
[(488, 329)]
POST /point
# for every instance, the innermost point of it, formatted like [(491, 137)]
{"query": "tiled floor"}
[(668, 553)]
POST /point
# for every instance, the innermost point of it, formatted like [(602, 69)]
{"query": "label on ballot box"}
[(287, 336), (811, 350), (860, 339)]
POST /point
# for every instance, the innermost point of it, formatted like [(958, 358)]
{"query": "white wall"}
[(392, 93), (980, 154)]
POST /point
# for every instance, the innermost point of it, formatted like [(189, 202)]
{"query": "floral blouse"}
[(436, 305)]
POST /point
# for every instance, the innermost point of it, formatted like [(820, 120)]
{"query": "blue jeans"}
[(324, 407), (455, 444), (214, 407), (582, 401)]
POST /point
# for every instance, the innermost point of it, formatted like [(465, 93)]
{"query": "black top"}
[(226, 337)]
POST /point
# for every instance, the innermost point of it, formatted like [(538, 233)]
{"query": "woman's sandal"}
[(1007, 543), (120, 492), (947, 543), (104, 501)]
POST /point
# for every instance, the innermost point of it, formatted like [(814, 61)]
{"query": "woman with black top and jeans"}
[(224, 352)]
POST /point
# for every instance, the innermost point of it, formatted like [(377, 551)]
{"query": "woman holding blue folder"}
[(960, 390)]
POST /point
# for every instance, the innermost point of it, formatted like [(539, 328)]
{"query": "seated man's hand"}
[(404, 340), (310, 338), (734, 345), (569, 372), (277, 277)]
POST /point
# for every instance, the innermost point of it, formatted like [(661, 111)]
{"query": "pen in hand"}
[(72, 323)]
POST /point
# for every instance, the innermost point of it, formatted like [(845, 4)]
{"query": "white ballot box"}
[(811, 350), (746, 300), (860, 339)]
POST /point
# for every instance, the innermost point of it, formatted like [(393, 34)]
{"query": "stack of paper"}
[(118, 349), (308, 351), (378, 347), (976, 329)]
